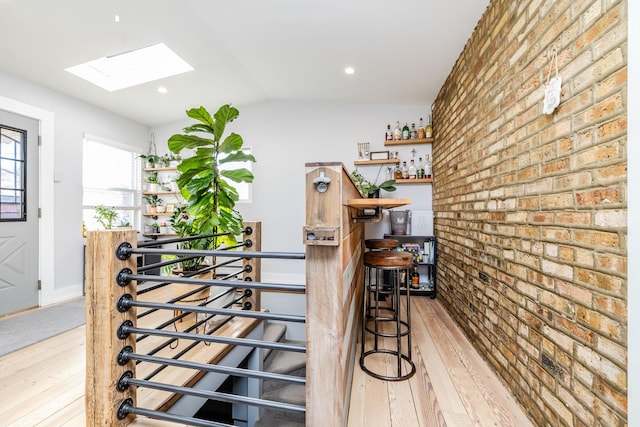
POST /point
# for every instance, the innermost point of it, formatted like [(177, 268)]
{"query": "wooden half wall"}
[(334, 249)]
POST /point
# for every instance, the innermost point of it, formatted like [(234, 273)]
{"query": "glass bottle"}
[(412, 170), (405, 131), (415, 277), (388, 136), (427, 167), (421, 129), (397, 173), (397, 132), (420, 171), (428, 131), (388, 173), (405, 171), (414, 132)]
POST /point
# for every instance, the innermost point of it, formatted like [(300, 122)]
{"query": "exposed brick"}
[(538, 203), (598, 197)]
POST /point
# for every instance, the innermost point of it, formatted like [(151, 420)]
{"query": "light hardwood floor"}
[(453, 386), (43, 385)]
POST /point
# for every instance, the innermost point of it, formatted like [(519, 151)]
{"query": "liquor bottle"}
[(413, 134), (428, 131), (388, 173), (415, 277), (405, 131), (420, 171), (397, 132), (397, 173), (405, 171), (412, 170), (427, 167), (421, 129), (388, 136)]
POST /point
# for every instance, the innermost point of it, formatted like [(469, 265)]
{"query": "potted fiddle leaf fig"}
[(207, 188)]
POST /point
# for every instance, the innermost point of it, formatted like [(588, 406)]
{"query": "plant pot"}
[(200, 297), (153, 209), (374, 195), (147, 229), (161, 208), (164, 230), (154, 187)]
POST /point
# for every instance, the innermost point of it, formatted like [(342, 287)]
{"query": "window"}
[(243, 188), (13, 145), (111, 177)]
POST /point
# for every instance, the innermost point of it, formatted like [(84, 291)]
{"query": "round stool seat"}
[(388, 259), (381, 243), (386, 318)]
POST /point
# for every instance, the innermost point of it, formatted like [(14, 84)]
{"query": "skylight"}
[(131, 68)]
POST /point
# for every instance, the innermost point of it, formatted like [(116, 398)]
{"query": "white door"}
[(18, 212)]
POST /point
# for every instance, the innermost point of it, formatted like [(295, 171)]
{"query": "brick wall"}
[(530, 209)]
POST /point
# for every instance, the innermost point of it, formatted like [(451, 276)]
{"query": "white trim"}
[(46, 224), (89, 137), (633, 210)]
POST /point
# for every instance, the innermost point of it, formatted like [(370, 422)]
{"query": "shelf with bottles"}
[(414, 181), (390, 142), (423, 248)]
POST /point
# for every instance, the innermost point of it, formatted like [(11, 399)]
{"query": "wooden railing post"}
[(254, 275), (102, 399), (334, 293)]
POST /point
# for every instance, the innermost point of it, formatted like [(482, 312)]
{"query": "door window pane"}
[(12, 177)]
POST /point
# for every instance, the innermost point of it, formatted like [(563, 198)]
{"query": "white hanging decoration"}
[(554, 88)]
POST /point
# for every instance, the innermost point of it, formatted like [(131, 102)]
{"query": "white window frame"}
[(136, 209)]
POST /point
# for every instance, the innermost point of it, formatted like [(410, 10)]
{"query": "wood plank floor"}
[(43, 385), (452, 386)]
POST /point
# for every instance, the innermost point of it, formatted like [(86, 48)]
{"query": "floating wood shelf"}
[(408, 141), (376, 162), (414, 181), (370, 210), (168, 168)]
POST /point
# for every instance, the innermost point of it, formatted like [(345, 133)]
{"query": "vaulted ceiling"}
[(243, 51)]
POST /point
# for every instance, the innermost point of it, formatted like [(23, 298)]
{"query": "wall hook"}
[(322, 182)]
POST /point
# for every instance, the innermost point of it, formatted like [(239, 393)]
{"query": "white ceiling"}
[(243, 51)]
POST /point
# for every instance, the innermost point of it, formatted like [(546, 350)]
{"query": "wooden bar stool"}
[(392, 329), (381, 244)]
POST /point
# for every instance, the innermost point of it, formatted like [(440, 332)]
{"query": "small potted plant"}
[(153, 201), (368, 189), (154, 184), (151, 160), (164, 228), (105, 216)]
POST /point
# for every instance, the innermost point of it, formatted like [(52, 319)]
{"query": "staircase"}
[(282, 362), (276, 361)]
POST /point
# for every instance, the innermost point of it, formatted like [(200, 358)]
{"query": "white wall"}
[(71, 118), (633, 247), (286, 135)]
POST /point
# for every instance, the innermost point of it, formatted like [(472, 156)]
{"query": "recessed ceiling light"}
[(131, 68), (162, 89), (349, 70)]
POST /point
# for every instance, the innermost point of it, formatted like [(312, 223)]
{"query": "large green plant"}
[(207, 189)]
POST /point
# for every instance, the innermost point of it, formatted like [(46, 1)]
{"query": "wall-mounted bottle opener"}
[(322, 182)]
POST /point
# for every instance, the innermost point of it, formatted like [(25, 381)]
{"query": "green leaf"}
[(202, 115), (178, 142), (238, 175), (231, 143), (239, 156), (224, 115)]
